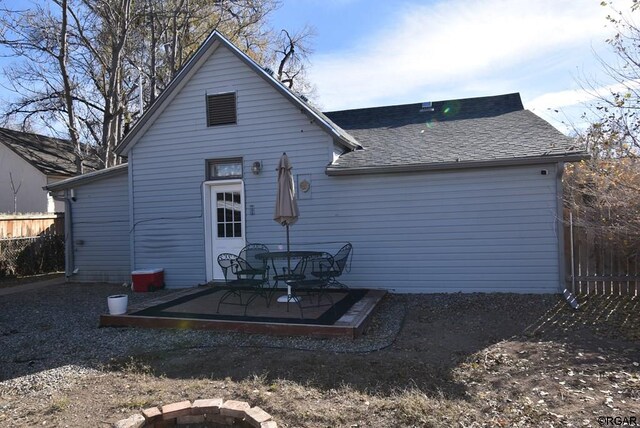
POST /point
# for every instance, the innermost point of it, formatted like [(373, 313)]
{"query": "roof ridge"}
[(512, 96)]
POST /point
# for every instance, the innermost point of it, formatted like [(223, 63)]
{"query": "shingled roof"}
[(51, 156), (449, 134)]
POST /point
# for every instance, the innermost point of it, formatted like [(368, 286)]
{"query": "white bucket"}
[(118, 304)]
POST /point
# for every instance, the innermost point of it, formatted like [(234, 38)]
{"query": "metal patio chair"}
[(295, 274), (238, 280), (308, 276), (292, 278), (339, 262), (251, 266)]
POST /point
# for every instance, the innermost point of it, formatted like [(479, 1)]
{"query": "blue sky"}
[(370, 52)]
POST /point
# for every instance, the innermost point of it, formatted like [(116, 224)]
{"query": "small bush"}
[(23, 257)]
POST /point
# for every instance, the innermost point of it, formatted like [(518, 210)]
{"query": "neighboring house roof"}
[(449, 134), (200, 56), (87, 178), (51, 156)]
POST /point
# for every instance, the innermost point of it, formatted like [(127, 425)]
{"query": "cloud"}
[(456, 43), (572, 109), (560, 99), (572, 97)]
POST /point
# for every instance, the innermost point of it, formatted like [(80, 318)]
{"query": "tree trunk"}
[(113, 96), (152, 54), (68, 90)]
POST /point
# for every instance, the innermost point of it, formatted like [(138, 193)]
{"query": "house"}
[(28, 162), (459, 195)]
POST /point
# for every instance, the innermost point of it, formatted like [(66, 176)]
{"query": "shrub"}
[(31, 256)]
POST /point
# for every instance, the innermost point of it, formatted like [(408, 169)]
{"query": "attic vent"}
[(426, 106), (221, 109), (269, 71)]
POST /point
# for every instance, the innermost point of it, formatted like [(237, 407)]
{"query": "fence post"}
[(573, 269)]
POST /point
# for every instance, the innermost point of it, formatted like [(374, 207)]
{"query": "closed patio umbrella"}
[(286, 212)]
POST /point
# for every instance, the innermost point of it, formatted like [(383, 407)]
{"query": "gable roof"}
[(460, 133), (51, 156), (450, 134), (213, 42)]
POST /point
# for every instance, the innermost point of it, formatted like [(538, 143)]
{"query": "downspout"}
[(132, 223), (567, 294), (68, 224)]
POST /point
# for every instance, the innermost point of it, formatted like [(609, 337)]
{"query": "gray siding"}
[(101, 230), (168, 164), (472, 230)]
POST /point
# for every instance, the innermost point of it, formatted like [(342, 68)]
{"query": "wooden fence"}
[(30, 225), (600, 262)]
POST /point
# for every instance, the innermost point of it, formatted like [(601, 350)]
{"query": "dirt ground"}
[(7, 282), (495, 360)]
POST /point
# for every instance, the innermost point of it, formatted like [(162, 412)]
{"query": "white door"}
[(227, 222)]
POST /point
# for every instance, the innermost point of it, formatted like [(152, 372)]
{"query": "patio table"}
[(286, 255)]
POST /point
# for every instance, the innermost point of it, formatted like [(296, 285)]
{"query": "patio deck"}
[(196, 308)]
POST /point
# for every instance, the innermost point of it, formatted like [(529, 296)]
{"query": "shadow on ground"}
[(438, 335), (57, 326)]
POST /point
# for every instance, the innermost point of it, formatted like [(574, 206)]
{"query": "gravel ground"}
[(59, 334), (485, 360)]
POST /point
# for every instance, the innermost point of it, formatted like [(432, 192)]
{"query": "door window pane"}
[(229, 214)]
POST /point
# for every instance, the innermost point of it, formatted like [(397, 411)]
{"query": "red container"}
[(147, 280)]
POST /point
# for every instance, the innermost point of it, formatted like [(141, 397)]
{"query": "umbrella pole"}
[(288, 263), (289, 297), (288, 249)]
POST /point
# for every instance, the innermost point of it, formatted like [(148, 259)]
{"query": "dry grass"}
[(59, 405), (480, 361), (413, 408)]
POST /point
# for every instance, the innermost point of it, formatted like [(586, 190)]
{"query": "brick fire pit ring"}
[(205, 413)]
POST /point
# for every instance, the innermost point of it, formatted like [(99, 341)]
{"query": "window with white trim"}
[(224, 169)]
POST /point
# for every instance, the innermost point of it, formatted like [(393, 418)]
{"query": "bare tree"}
[(43, 80), (174, 29), (107, 45), (603, 191), (291, 60), (67, 92), (82, 63), (614, 130)]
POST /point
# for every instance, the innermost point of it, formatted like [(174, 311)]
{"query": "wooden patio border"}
[(350, 325)]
